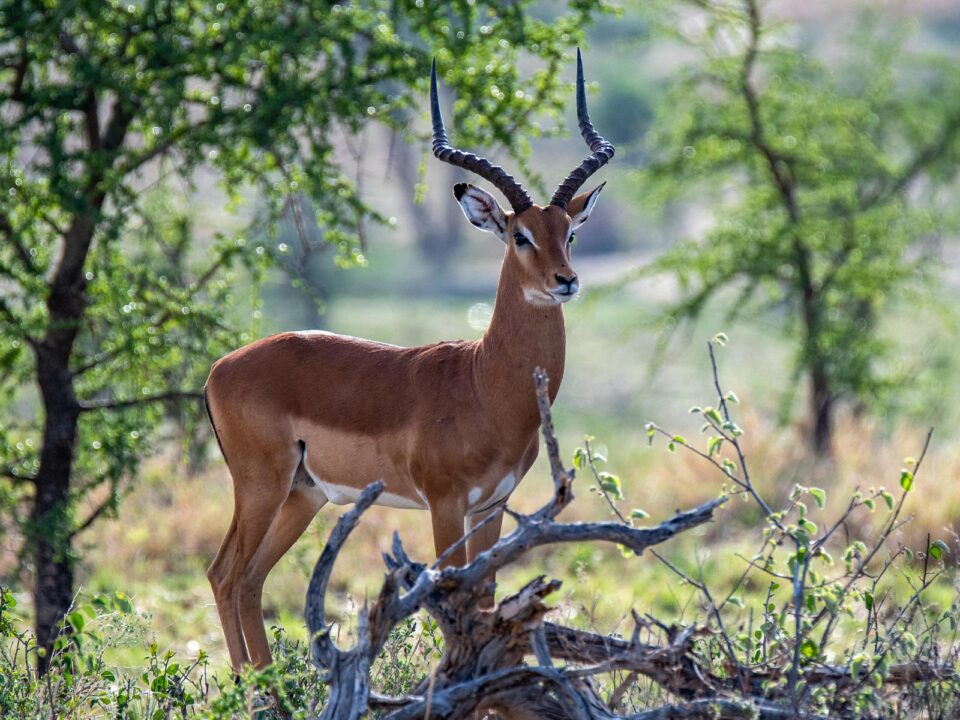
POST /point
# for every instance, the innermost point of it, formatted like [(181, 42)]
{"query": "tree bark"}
[(51, 523), (821, 411), (50, 517), (51, 526), (821, 390)]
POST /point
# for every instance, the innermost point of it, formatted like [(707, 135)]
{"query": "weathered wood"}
[(485, 666)]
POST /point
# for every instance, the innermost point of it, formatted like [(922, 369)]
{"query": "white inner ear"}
[(484, 212), (581, 217)]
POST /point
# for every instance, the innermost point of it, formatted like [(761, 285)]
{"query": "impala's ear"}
[(581, 206), (481, 209)]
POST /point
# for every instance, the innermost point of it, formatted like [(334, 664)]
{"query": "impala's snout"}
[(567, 287)]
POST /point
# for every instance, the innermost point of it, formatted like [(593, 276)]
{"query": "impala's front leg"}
[(448, 514), (482, 540)]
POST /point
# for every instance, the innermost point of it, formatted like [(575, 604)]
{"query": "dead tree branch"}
[(505, 661)]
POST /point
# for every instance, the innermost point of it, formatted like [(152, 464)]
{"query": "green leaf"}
[(856, 665), (868, 599), (714, 445), (638, 514), (77, 620), (906, 479), (819, 495), (809, 649), (711, 413), (580, 458), (610, 484), (733, 428), (720, 339), (887, 498), (680, 439), (732, 397), (938, 549)]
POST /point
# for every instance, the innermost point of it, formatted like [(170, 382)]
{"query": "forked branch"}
[(484, 661), (505, 660)]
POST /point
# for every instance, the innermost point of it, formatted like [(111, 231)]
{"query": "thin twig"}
[(90, 405)]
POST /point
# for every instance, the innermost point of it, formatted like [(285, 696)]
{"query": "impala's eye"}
[(520, 239), (573, 236)]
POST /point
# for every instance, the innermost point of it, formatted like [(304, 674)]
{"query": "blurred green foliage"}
[(825, 184), (109, 305)]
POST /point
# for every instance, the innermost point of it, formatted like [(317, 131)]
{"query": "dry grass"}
[(171, 526)]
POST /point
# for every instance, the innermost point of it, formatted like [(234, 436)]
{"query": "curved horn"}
[(601, 150), (505, 183)]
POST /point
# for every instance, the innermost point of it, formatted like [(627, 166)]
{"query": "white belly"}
[(348, 494)]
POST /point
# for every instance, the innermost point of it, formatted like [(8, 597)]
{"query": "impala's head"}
[(538, 238)]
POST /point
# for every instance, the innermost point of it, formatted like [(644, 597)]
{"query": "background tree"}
[(824, 182), (109, 310)]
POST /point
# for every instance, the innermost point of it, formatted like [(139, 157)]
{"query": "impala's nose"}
[(567, 287), (570, 282)]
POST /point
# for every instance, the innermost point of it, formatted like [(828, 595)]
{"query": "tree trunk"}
[(51, 526), (821, 411), (51, 520), (821, 392)]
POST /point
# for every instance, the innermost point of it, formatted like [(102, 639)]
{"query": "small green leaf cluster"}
[(82, 682), (874, 613), (608, 485)]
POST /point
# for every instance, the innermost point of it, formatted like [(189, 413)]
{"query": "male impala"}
[(304, 418)]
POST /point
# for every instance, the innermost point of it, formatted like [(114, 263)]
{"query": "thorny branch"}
[(486, 663), (805, 551)]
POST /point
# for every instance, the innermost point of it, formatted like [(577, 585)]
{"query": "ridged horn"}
[(504, 182), (601, 150)]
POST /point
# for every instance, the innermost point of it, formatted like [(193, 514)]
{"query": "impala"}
[(306, 418)]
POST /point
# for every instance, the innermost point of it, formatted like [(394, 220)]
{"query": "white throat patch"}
[(539, 298)]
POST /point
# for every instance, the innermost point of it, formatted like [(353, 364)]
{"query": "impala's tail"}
[(206, 404)]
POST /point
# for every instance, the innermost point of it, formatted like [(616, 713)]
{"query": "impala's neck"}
[(520, 338)]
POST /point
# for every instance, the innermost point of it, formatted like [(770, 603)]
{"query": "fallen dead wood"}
[(486, 663)]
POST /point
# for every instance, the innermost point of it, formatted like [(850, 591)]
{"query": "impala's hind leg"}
[(260, 490), (298, 510), (229, 613)]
